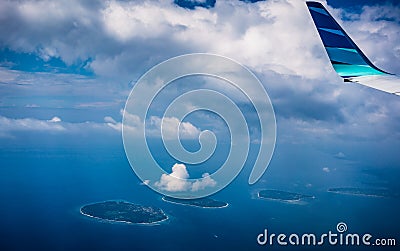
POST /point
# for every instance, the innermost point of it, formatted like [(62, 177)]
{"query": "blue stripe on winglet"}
[(337, 32)]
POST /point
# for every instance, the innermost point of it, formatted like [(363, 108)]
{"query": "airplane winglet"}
[(346, 58)]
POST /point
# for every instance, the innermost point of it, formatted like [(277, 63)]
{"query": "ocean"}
[(44, 184)]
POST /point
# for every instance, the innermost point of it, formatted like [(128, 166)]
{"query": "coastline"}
[(191, 205), (293, 201), (281, 200), (122, 221), (358, 194)]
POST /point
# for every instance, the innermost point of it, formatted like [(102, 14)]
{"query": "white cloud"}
[(32, 106), (54, 120), (112, 123), (374, 30), (178, 181), (207, 181), (29, 124), (326, 169), (109, 119), (340, 155), (170, 126), (10, 126)]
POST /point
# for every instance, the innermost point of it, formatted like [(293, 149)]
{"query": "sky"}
[(67, 67)]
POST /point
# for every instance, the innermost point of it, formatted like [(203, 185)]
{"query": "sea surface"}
[(43, 186)]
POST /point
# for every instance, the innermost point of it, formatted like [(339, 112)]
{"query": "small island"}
[(283, 195), (202, 202), (370, 192), (124, 212)]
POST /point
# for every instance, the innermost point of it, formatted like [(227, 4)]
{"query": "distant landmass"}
[(372, 192), (203, 202), (125, 212), (282, 195)]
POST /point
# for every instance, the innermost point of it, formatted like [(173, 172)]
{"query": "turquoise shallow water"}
[(42, 190)]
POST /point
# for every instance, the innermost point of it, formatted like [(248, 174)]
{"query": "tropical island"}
[(202, 202), (283, 195), (371, 192), (124, 212)]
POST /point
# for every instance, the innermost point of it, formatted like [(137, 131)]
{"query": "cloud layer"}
[(120, 40), (121, 37)]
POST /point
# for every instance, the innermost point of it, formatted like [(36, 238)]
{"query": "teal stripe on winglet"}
[(348, 56), (348, 49), (355, 70), (319, 10), (337, 32)]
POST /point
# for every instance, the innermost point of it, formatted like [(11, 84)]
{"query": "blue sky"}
[(66, 67)]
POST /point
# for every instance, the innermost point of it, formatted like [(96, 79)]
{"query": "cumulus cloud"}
[(326, 169), (178, 181)]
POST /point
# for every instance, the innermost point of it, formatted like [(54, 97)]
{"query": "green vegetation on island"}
[(202, 202), (125, 212), (282, 195)]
